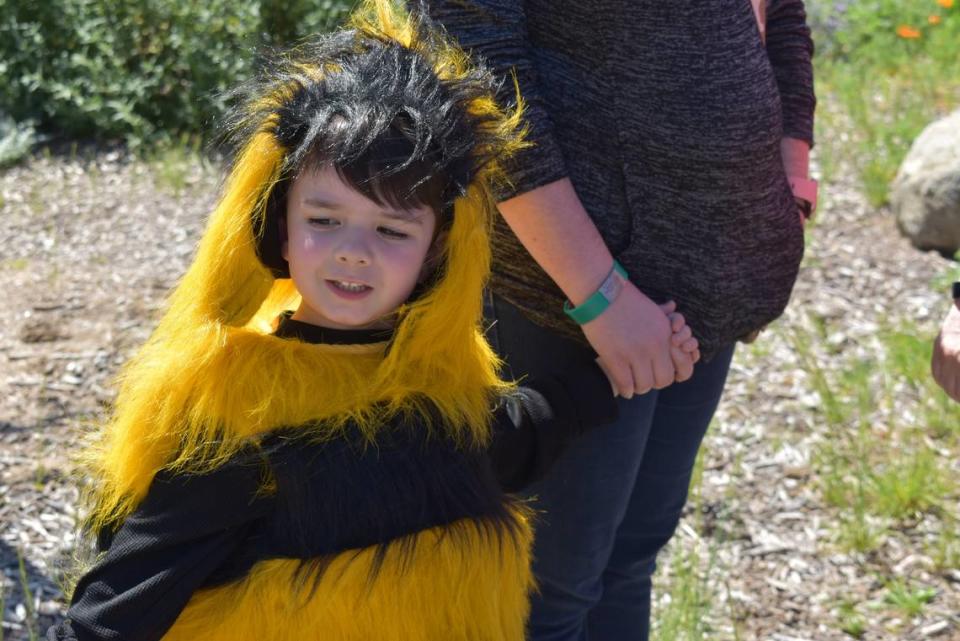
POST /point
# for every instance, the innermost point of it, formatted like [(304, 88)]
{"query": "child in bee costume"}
[(315, 442)]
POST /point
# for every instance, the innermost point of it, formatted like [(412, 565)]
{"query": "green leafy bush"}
[(16, 140), (139, 70)]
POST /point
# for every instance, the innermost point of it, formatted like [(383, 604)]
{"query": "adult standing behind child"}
[(314, 443), (668, 136)]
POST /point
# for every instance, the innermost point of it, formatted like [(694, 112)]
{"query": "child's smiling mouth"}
[(347, 289)]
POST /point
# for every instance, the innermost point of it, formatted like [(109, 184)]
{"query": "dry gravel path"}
[(88, 248)]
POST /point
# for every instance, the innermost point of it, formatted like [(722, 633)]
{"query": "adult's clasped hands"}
[(641, 345)]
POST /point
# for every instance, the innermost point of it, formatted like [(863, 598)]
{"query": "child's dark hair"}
[(376, 111)]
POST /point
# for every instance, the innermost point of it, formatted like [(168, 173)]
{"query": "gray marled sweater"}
[(667, 116)]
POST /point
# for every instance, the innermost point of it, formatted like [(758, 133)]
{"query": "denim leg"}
[(583, 497), (680, 420), (595, 549), (580, 502)]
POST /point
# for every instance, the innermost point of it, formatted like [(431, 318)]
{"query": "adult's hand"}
[(946, 354), (632, 339), (684, 348), (632, 336)]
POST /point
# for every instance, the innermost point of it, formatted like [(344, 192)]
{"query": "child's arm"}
[(533, 426), (182, 531)]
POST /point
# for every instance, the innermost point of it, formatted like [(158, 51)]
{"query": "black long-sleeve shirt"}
[(193, 532)]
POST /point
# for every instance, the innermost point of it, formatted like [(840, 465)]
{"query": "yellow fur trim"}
[(461, 584), (211, 377)]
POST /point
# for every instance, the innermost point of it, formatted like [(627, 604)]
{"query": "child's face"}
[(353, 261)]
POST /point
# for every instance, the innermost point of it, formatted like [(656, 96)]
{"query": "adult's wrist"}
[(583, 288), (804, 194), (795, 154), (598, 302)]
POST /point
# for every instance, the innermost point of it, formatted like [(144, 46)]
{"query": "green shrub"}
[(16, 140), (286, 22), (138, 70)]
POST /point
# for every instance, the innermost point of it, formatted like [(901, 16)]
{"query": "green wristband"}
[(600, 300)]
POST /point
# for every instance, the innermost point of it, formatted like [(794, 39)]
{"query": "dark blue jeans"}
[(614, 498)]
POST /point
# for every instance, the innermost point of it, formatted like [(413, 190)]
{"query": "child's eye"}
[(322, 222), (391, 233)]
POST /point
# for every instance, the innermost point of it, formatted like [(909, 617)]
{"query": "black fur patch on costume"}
[(349, 495)]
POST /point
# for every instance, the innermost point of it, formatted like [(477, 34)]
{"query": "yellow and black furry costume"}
[(267, 482)]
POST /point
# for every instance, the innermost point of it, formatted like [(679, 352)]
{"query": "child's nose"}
[(354, 250)]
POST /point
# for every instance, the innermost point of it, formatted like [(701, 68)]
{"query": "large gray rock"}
[(925, 195)]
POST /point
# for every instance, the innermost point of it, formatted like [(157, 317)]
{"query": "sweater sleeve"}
[(533, 426), (495, 32), (790, 49), (162, 553)]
